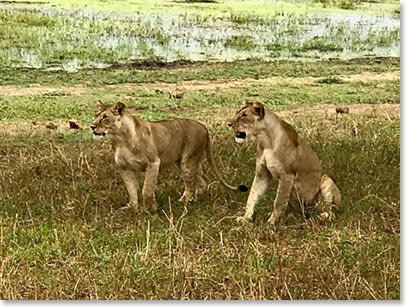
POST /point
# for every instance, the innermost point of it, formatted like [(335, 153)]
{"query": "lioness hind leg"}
[(201, 184), (189, 169), (329, 197), (200, 181)]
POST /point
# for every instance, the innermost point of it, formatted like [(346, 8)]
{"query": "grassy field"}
[(65, 233)]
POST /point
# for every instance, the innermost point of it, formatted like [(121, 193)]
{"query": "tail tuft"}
[(243, 188)]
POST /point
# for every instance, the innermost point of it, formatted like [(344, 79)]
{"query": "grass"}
[(242, 42), (63, 106), (143, 72), (76, 243), (64, 234), (225, 7)]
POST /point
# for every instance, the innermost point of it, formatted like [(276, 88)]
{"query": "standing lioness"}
[(141, 146), (283, 155)]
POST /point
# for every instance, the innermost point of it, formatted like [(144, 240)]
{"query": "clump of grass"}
[(330, 80), (343, 4), (241, 42), (321, 44)]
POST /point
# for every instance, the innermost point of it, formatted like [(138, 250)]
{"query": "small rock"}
[(73, 124), (176, 95), (51, 125), (341, 110)]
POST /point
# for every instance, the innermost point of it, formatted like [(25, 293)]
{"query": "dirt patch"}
[(35, 89), (227, 84), (318, 111), (195, 85), (380, 109), (369, 76)]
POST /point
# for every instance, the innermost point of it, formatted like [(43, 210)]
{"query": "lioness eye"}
[(242, 115)]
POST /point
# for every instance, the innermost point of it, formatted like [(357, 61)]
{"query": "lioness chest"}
[(126, 159), (271, 161)]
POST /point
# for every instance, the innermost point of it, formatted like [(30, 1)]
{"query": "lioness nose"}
[(93, 127), (230, 124)]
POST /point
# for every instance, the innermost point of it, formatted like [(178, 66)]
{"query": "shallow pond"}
[(93, 39)]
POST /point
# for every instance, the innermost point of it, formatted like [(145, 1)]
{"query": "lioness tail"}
[(212, 163)]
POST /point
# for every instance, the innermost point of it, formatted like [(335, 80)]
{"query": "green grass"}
[(226, 7), (65, 237), (255, 69), (44, 107), (64, 234), (242, 42)]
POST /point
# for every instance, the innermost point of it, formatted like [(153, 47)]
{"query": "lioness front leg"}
[(259, 186), (131, 183), (150, 182), (285, 185)]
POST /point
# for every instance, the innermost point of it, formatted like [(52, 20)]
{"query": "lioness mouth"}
[(99, 134), (240, 137)]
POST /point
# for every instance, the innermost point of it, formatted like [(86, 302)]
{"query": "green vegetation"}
[(64, 230), (47, 37), (66, 236), (242, 42), (226, 7), (141, 72)]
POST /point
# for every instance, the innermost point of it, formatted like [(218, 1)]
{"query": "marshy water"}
[(55, 38)]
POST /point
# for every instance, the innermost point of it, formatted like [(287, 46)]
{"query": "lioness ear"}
[(119, 108), (258, 109), (100, 104)]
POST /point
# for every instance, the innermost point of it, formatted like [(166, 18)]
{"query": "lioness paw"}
[(272, 220), (243, 219), (326, 216), (130, 205), (186, 197)]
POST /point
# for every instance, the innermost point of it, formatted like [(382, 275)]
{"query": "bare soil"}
[(35, 89)]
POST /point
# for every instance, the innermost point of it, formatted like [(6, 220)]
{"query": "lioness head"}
[(245, 120), (107, 118)]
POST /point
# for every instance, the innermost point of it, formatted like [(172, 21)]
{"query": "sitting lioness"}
[(284, 156), (142, 146)]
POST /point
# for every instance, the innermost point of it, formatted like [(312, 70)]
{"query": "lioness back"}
[(178, 138)]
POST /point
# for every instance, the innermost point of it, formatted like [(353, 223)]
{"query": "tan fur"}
[(142, 146), (284, 156)]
